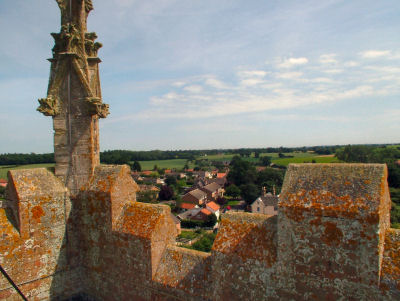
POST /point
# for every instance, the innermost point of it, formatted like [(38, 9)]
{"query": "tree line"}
[(374, 154), (23, 159)]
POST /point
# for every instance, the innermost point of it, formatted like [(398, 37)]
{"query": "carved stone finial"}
[(96, 107), (49, 106)]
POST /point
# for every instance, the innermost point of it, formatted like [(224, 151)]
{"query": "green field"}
[(318, 159), (169, 164), (5, 168)]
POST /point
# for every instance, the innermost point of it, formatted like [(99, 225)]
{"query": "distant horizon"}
[(215, 74), (222, 149)]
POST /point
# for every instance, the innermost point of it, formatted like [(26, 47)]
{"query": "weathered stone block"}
[(330, 223)]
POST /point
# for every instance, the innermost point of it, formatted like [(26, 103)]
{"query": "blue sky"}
[(215, 73)]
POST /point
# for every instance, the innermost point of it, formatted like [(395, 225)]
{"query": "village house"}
[(196, 196), (188, 206), (202, 174), (213, 208), (202, 215), (213, 191), (267, 203), (189, 214), (3, 182), (221, 181)]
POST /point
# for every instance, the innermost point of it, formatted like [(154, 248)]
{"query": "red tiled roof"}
[(213, 206), (167, 171), (206, 211), (190, 170), (221, 174), (187, 206), (146, 172), (3, 181)]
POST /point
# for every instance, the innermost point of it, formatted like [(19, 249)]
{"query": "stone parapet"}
[(33, 246)]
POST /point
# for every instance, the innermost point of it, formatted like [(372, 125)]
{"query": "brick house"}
[(267, 203), (196, 196), (213, 191)]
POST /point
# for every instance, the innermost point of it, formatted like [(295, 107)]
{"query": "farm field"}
[(318, 159), (5, 168), (169, 164)]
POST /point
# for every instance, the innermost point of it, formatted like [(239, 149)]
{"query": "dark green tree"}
[(170, 181), (136, 166), (250, 192), (241, 172), (233, 191), (211, 220), (166, 193), (265, 160)]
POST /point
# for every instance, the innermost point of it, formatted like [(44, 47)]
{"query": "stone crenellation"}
[(79, 234)]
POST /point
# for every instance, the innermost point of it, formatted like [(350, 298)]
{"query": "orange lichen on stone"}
[(324, 188), (37, 213), (183, 268), (391, 258), (249, 236), (332, 234), (141, 219)]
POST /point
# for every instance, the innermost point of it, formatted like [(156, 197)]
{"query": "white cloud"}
[(193, 89), (178, 84), (289, 75), (333, 71), (215, 83), (351, 64), (325, 80), (290, 62), (251, 82), (254, 73), (328, 58), (371, 54)]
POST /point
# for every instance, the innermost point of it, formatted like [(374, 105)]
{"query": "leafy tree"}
[(241, 172), (136, 166), (250, 192), (233, 191), (166, 193), (265, 161), (170, 181), (211, 220), (186, 165), (221, 200)]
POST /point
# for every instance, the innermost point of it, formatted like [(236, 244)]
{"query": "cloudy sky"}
[(190, 74)]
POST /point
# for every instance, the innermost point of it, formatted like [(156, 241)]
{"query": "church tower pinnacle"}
[(74, 96)]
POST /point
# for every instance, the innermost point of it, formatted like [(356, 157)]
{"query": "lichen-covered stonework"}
[(81, 233), (74, 96), (330, 241)]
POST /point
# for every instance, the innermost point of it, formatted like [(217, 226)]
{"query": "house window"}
[(258, 209)]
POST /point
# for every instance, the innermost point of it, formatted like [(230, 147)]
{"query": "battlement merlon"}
[(338, 213)]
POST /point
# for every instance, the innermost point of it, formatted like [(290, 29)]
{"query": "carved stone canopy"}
[(73, 48)]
